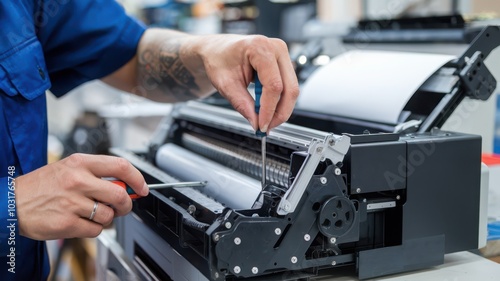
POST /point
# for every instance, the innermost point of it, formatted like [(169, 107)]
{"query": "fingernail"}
[(145, 189), (264, 128)]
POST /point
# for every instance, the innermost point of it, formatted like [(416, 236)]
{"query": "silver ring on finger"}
[(92, 215)]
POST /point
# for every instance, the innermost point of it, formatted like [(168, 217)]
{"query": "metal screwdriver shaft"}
[(259, 133), (177, 184), (133, 195)]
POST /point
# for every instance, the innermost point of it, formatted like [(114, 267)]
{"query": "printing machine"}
[(342, 194)]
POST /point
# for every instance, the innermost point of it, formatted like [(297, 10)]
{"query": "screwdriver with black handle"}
[(259, 133), (133, 195)]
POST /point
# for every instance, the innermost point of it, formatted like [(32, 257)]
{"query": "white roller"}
[(233, 189)]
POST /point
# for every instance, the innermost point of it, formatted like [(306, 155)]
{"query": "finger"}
[(110, 166), (103, 214), (290, 92), (264, 61), (241, 100), (83, 228), (108, 193)]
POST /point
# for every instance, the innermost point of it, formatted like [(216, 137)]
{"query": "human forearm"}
[(170, 68), (166, 68)]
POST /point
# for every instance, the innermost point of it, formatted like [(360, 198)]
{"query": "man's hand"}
[(56, 201), (230, 62), (171, 66)]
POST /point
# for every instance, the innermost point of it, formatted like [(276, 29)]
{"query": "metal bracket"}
[(476, 78), (333, 148)]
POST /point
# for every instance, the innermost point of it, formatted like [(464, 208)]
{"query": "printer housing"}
[(342, 194)]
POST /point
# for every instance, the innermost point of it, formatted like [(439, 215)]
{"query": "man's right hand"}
[(56, 201)]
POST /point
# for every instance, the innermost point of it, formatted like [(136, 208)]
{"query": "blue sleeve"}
[(9, 228), (85, 40)]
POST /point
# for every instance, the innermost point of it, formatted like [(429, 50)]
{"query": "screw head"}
[(237, 269), (277, 231), (255, 270), (287, 206), (237, 240), (323, 180), (319, 149), (334, 262), (337, 171), (216, 237), (228, 225), (358, 190), (398, 197), (294, 259), (307, 237), (333, 240), (191, 209), (216, 275)]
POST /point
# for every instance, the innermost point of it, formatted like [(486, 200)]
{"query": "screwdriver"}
[(133, 195), (259, 133)]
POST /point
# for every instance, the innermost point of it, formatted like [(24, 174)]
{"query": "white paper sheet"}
[(368, 85)]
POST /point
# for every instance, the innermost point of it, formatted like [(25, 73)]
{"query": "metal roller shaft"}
[(228, 187), (237, 158)]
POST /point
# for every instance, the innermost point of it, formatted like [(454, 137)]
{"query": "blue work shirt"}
[(56, 45)]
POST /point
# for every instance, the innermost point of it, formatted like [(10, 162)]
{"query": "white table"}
[(462, 266)]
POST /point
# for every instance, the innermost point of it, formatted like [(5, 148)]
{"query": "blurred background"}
[(315, 31)]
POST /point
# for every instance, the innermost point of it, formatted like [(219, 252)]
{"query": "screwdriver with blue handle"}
[(133, 195), (259, 133)]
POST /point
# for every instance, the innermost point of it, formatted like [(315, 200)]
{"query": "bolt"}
[(287, 207), (216, 237), (255, 270), (334, 262), (333, 240), (191, 209), (237, 240), (294, 259), (228, 225), (331, 142), (364, 200), (337, 171), (307, 237), (358, 190), (323, 180), (236, 269), (398, 197), (319, 149), (216, 275), (277, 231)]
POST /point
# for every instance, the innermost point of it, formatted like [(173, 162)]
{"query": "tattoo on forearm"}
[(162, 70)]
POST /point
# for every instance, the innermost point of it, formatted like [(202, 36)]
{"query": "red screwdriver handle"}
[(131, 193)]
